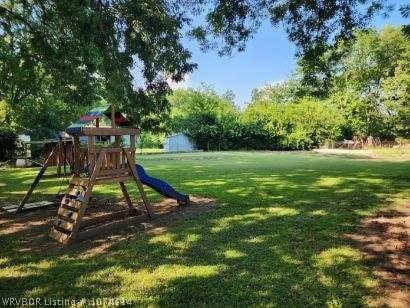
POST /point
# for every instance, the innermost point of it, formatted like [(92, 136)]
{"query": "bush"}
[(298, 125), (257, 136), (309, 123), (8, 143), (204, 129), (297, 140), (151, 141)]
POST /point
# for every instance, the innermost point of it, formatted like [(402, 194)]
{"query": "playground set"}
[(93, 165)]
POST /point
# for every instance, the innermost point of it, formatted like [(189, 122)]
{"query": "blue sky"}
[(269, 57)]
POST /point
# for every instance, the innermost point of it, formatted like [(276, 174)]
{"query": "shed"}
[(178, 143)]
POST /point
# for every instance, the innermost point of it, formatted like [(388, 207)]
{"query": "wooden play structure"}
[(60, 153), (93, 166), (57, 152), (100, 155)]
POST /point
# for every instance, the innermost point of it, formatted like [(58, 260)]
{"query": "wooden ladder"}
[(71, 211), (73, 206), (66, 227)]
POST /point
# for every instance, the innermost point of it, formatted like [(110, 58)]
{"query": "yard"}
[(281, 234)]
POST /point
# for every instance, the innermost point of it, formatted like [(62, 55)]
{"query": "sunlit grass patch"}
[(336, 255), (233, 254), (254, 215)]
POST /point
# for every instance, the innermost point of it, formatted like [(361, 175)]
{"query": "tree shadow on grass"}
[(276, 239), (384, 241)]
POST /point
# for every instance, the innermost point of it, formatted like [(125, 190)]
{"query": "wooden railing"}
[(114, 161)]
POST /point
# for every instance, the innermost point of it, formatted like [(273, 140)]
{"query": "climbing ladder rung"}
[(68, 219), (72, 215), (60, 223), (67, 207), (59, 235), (71, 203), (74, 191)]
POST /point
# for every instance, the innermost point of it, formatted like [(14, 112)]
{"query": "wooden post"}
[(64, 151), (77, 155), (59, 156), (90, 153), (36, 180), (117, 138), (126, 195), (137, 180), (132, 146), (112, 117)]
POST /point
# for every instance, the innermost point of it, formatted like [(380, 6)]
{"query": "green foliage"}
[(370, 84), (3, 112), (280, 93), (396, 90), (309, 123), (148, 140), (82, 51), (367, 95), (58, 55), (203, 128), (202, 100), (301, 125), (78, 52), (367, 82), (260, 128), (8, 143), (203, 115), (214, 124), (312, 25)]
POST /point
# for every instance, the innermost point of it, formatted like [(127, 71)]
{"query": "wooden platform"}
[(29, 206)]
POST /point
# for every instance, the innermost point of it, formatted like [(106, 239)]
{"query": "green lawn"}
[(276, 237)]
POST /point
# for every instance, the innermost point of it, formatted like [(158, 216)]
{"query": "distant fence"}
[(369, 142)]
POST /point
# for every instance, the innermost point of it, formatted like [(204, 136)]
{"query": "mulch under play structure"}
[(92, 165)]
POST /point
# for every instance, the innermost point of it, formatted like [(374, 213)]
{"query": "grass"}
[(276, 237), (149, 151)]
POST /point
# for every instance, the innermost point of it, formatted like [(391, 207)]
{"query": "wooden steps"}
[(71, 209), (59, 236), (111, 165), (71, 203)]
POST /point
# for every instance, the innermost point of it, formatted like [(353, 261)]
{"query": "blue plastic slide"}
[(160, 186)]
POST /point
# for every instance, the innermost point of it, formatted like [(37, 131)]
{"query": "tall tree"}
[(370, 83), (280, 93), (87, 49)]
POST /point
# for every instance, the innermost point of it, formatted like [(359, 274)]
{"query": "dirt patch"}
[(31, 228), (384, 240)]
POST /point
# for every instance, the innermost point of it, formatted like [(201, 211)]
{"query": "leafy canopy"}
[(85, 50), (79, 52), (371, 85)]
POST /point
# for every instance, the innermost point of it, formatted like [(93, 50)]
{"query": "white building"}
[(178, 143), (25, 140)]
